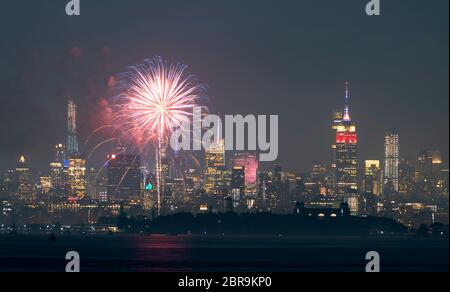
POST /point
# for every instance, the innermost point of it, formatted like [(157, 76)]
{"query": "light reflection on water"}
[(221, 253)]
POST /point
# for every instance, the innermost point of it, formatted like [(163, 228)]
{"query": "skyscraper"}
[(24, 185), (249, 163), (215, 170), (237, 184), (72, 140), (407, 175), (75, 163), (57, 174), (124, 177), (429, 168), (345, 152), (76, 176), (391, 159), (372, 177), (150, 192)]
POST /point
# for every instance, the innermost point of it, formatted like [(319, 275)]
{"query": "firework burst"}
[(153, 99)]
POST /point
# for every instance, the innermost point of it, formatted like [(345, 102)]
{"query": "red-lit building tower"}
[(345, 153), (249, 163)]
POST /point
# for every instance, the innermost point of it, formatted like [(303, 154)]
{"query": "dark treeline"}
[(266, 224)]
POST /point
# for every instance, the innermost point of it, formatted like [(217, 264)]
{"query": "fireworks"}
[(153, 99)]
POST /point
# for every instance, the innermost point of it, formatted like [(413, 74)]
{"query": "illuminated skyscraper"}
[(318, 173), (57, 173), (391, 159), (215, 170), (429, 168), (407, 175), (237, 184), (72, 140), (8, 183), (24, 183), (345, 152), (150, 193), (249, 163), (77, 179), (45, 184), (372, 177), (75, 164), (164, 179), (124, 177)]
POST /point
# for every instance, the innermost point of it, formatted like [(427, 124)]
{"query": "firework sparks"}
[(154, 99)]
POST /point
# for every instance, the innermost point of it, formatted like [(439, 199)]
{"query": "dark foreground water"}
[(228, 254)]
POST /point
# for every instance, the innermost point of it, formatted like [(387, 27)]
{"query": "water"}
[(135, 253)]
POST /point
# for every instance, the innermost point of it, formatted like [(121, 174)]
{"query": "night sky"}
[(285, 57)]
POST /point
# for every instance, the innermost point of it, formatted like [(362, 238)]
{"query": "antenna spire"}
[(347, 96), (347, 102)]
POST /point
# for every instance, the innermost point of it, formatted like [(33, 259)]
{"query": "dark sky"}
[(285, 57)]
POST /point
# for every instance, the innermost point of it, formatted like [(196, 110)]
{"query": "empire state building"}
[(346, 152)]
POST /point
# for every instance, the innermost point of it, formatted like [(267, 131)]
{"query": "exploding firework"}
[(153, 99)]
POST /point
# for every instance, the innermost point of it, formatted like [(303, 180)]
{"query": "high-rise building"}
[(76, 177), (57, 173), (279, 200), (93, 183), (24, 185), (429, 165), (149, 198), (391, 159), (319, 179), (193, 181), (124, 177), (165, 164), (179, 191), (249, 163), (238, 179), (8, 182), (237, 184), (101, 187), (345, 153), (406, 175), (72, 140), (372, 177), (318, 173), (45, 183), (264, 189), (429, 171), (75, 163), (216, 174)]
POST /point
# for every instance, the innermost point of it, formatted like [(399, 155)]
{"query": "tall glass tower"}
[(215, 170), (391, 159), (72, 141)]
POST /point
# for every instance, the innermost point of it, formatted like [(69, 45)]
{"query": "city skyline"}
[(79, 67), (342, 137)]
